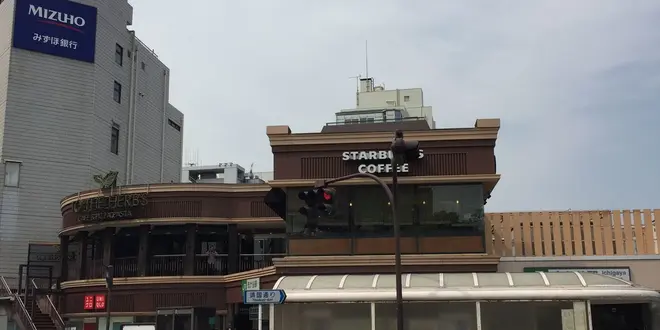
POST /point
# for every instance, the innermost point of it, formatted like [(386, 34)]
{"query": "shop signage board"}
[(250, 284), (263, 297), (375, 161), (56, 27), (94, 302), (108, 208), (618, 272)]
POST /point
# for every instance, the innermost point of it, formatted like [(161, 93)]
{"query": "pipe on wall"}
[(128, 177), (166, 88)]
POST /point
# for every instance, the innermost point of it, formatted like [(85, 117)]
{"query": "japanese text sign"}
[(99, 301), (89, 303), (57, 27)]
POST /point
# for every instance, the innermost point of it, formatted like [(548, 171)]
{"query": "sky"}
[(575, 83)]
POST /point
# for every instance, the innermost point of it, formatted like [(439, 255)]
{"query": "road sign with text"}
[(263, 297)]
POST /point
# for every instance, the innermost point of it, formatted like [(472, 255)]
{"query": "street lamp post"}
[(400, 149)]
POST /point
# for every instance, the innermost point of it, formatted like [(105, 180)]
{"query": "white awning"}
[(462, 287)]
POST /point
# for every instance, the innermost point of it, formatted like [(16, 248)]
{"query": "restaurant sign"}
[(376, 161), (108, 208)]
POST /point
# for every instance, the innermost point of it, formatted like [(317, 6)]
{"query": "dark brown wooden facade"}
[(450, 156)]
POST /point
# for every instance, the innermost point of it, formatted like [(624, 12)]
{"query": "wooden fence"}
[(573, 233)]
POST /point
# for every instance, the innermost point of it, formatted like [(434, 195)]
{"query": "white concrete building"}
[(375, 104), (223, 173), (79, 96)]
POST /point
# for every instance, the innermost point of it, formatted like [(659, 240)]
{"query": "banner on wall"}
[(56, 27), (618, 272)]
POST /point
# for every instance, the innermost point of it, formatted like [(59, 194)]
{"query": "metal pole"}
[(397, 246), (395, 223), (108, 300)]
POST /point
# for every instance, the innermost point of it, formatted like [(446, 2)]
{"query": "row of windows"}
[(366, 211), (116, 96)]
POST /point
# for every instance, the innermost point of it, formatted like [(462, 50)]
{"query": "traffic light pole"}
[(399, 149), (109, 279), (397, 246), (395, 222)]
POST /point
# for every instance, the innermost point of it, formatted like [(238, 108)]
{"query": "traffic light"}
[(406, 149), (310, 199), (326, 203), (318, 202), (275, 199)]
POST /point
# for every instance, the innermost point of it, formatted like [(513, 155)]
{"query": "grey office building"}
[(80, 96)]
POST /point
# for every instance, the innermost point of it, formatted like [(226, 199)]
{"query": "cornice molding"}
[(151, 280), (167, 188), (168, 221), (386, 260), (478, 133), (439, 179)]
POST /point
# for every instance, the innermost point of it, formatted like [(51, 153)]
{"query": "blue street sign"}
[(262, 297)]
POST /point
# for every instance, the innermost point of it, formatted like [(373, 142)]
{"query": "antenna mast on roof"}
[(366, 58)]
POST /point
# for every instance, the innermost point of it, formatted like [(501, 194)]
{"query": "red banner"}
[(89, 303), (99, 301)]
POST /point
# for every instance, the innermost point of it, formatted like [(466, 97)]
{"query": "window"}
[(114, 139), (458, 209), (143, 66), (117, 92), (12, 173), (365, 211), (174, 125), (371, 211), (119, 54), (406, 98)]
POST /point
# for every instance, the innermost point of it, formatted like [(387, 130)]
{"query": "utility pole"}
[(109, 276)]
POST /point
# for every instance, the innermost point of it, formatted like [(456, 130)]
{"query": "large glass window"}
[(371, 210), (450, 209), (365, 211)]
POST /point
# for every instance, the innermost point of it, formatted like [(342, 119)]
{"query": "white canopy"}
[(462, 287)]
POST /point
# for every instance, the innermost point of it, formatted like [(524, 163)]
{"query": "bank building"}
[(80, 96), (186, 255)]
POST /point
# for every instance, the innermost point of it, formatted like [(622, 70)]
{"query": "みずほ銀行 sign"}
[(56, 27)]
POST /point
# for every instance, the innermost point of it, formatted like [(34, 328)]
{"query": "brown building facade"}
[(176, 245)]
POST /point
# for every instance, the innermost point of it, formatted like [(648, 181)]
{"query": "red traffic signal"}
[(327, 194)]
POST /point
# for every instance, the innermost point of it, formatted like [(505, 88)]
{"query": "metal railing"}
[(125, 267), (47, 307), (5, 291), (166, 265), (205, 265), (352, 121), (174, 264), (257, 261), (19, 307)]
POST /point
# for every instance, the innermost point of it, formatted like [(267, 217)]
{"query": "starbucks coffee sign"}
[(376, 161)]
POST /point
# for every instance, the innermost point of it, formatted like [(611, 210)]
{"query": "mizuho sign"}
[(56, 16), (376, 161), (56, 27)]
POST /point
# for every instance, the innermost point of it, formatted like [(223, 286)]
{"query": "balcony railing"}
[(173, 265), (573, 233)]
